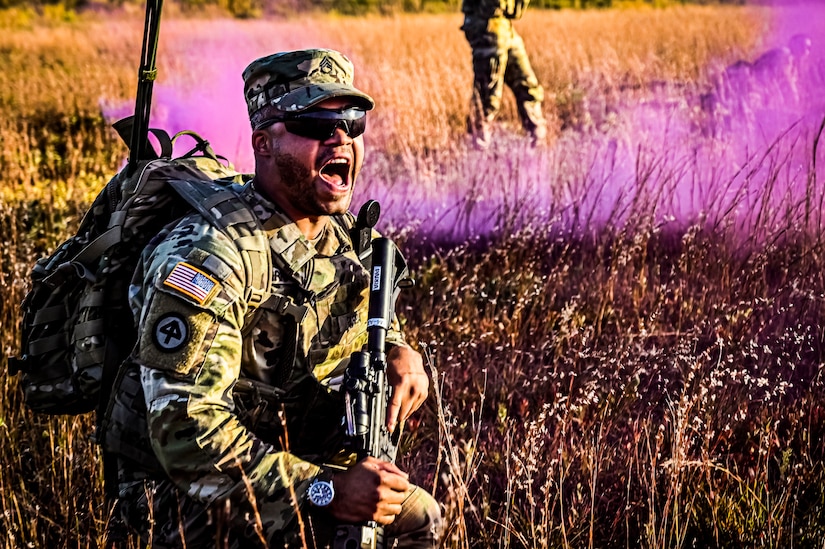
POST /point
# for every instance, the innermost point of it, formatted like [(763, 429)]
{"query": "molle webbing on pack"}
[(77, 325), (123, 430)]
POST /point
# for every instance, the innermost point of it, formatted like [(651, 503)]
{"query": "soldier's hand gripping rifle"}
[(367, 393)]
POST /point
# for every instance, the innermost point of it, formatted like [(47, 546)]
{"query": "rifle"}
[(134, 129), (367, 395)]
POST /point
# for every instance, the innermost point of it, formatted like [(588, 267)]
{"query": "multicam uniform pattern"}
[(208, 441), (499, 58), (304, 78)]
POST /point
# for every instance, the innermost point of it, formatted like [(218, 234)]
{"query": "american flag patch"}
[(191, 281)]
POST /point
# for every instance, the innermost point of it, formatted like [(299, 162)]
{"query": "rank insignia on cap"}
[(192, 282)]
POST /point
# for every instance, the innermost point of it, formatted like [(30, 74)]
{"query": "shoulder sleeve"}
[(197, 263), (188, 282)]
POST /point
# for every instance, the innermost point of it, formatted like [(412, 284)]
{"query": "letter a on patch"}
[(192, 282)]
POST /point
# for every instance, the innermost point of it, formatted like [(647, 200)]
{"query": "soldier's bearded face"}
[(315, 177)]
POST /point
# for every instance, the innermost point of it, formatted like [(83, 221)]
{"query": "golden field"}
[(624, 325)]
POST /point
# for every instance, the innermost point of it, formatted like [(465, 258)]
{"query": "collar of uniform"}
[(334, 239), (268, 213), (287, 240)]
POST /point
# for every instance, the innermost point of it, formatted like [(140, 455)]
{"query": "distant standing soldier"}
[(499, 58)]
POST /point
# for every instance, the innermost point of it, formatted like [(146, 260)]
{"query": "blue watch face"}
[(321, 493)]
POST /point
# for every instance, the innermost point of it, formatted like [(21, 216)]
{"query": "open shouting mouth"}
[(336, 172)]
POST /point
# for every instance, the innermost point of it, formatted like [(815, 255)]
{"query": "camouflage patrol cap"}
[(297, 80)]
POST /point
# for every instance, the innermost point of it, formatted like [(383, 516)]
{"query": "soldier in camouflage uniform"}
[(225, 414), (499, 58)]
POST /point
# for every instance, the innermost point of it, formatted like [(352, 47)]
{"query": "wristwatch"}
[(321, 492)]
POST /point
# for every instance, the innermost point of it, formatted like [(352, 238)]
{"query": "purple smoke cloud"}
[(740, 154), (742, 151)]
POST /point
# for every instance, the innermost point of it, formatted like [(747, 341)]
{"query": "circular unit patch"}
[(171, 332)]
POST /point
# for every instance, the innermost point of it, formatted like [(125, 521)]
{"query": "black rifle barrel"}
[(139, 146), (382, 290), (367, 390)]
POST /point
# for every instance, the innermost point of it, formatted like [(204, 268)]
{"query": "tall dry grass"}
[(624, 326)]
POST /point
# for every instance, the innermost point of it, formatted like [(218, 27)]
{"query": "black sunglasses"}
[(322, 123)]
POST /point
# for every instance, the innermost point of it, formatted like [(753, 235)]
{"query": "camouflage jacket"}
[(197, 339), (488, 9)]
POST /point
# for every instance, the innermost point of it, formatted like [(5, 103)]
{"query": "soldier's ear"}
[(262, 142)]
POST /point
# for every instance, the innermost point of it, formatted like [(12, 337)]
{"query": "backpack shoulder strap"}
[(237, 220)]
